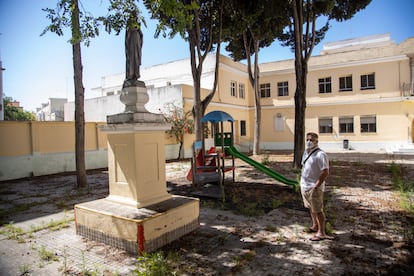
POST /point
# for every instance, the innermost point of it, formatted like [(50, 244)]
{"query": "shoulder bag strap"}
[(315, 150)]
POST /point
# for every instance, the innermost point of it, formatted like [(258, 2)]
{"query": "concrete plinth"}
[(136, 164), (137, 230)]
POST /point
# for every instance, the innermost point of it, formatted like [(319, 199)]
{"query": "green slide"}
[(233, 151)]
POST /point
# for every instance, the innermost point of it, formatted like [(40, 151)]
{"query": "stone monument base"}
[(137, 117), (137, 230)]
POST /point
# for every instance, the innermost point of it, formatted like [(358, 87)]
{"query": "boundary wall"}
[(42, 148)]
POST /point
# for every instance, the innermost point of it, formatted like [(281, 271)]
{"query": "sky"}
[(40, 67)]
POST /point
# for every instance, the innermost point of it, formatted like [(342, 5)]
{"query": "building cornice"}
[(335, 103), (234, 70), (223, 105), (358, 63), (352, 63), (292, 105)]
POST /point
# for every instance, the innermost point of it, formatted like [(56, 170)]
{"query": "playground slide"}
[(233, 151)]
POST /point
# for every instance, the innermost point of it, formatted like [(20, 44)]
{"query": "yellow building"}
[(359, 96)]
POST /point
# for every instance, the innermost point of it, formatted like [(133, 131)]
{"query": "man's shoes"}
[(310, 230), (319, 238)]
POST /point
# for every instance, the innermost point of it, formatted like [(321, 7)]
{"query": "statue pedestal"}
[(137, 230), (139, 214), (136, 164)]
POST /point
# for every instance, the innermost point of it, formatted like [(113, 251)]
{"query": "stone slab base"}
[(137, 230)]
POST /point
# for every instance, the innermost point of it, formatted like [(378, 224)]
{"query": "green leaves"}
[(14, 113), (174, 17), (119, 16), (61, 18), (181, 122)]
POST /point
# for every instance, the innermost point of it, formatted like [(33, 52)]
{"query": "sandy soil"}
[(373, 235), (260, 230)]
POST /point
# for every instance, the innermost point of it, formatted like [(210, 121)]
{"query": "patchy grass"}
[(243, 259), (25, 269), (46, 255), (404, 186), (13, 233), (155, 264)]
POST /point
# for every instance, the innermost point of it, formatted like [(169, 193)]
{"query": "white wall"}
[(97, 109)]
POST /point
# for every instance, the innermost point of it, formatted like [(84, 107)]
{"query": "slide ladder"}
[(275, 175)]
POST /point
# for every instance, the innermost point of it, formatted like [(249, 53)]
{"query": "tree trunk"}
[(79, 100), (179, 150), (254, 81), (258, 106), (206, 101), (300, 93), (300, 111), (196, 70)]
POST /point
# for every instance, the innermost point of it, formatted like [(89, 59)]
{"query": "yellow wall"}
[(40, 148), (15, 138), (25, 138)]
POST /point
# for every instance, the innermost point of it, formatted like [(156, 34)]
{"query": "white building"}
[(52, 110), (164, 85)]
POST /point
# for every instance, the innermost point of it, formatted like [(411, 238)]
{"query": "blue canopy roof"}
[(217, 116)]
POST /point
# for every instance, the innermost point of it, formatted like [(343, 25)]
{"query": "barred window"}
[(346, 125), (242, 128), (233, 88), (325, 85), (241, 91), (325, 125), (345, 83), (283, 88), (368, 123), (265, 90), (368, 81)]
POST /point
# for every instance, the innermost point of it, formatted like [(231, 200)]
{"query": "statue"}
[(133, 48)]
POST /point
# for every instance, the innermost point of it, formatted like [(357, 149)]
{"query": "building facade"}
[(359, 95), (53, 110)]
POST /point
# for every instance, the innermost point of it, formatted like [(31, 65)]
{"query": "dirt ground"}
[(261, 228), (373, 235)]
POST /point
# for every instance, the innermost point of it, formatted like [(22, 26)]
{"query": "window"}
[(368, 81), (283, 88), (346, 125), (242, 128), (233, 88), (345, 83), (368, 123), (279, 122), (241, 90), (325, 125), (265, 90), (325, 85)]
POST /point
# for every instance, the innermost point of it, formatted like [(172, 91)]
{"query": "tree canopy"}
[(15, 113), (199, 23), (301, 36), (181, 123), (250, 26)]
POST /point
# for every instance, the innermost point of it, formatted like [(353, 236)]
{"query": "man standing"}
[(315, 169)]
